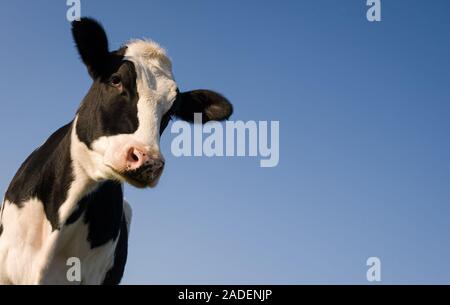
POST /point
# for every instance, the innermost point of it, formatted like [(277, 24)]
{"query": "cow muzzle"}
[(137, 164), (142, 168)]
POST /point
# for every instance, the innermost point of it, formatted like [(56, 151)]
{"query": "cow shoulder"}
[(46, 174)]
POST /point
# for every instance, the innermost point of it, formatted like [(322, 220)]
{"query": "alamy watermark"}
[(374, 11), (235, 139), (374, 272), (73, 273), (74, 10)]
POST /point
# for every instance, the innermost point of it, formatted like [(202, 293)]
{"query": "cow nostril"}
[(134, 157)]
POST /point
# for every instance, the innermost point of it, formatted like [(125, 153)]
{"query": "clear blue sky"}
[(364, 116)]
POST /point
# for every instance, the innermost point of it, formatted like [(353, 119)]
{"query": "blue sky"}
[(364, 114)]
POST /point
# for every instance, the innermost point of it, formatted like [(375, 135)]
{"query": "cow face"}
[(131, 101)]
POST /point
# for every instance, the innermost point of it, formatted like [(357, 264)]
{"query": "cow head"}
[(130, 103)]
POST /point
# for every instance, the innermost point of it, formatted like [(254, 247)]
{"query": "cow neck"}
[(82, 183)]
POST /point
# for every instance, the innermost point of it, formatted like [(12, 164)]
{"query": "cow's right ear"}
[(92, 44), (212, 105)]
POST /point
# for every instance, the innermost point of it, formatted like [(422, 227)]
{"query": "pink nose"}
[(138, 157)]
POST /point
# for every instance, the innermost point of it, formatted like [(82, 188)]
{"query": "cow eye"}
[(115, 80)]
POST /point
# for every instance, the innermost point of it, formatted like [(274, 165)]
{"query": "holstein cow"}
[(66, 200)]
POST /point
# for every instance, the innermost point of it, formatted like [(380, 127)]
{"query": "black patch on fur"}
[(105, 111), (115, 274), (103, 211), (81, 207), (212, 105), (1, 229), (46, 174)]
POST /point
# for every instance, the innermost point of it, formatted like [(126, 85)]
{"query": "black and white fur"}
[(66, 200)]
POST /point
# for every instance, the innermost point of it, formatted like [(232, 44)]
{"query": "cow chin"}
[(141, 178), (140, 184), (142, 181)]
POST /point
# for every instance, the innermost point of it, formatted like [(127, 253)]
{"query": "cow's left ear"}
[(212, 105), (92, 44)]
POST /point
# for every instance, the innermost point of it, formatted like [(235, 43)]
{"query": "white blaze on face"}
[(157, 91), (156, 88)]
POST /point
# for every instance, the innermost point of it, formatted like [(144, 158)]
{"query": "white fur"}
[(25, 233), (156, 88)]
